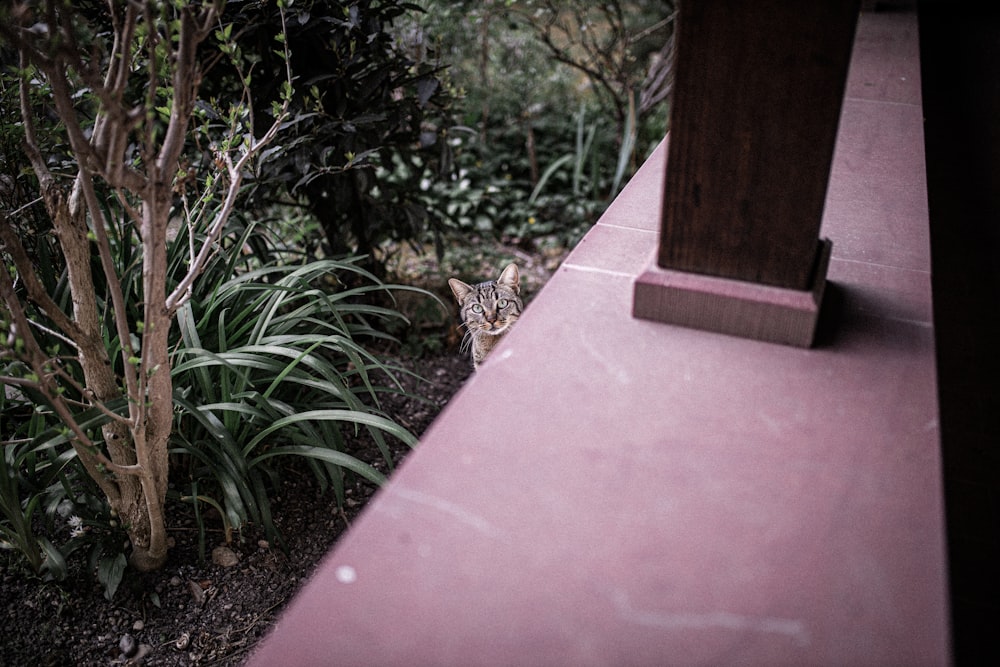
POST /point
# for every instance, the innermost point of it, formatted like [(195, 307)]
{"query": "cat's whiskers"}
[(467, 338)]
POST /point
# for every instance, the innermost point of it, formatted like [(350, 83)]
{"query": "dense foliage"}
[(157, 346), (560, 101), (359, 106)]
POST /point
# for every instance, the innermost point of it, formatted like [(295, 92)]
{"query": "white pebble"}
[(346, 574)]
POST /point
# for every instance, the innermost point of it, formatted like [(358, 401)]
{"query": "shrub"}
[(139, 177), (358, 104), (270, 360)]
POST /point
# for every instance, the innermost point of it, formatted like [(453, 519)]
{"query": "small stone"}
[(128, 645), (263, 544), (138, 626), (175, 581), (197, 592), (224, 556)]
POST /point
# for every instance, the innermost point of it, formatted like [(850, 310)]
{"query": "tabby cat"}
[(488, 310)]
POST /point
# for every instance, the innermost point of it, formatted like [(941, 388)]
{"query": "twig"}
[(183, 291)]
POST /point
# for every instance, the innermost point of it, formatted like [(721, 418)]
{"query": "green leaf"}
[(332, 456), (55, 562), (110, 570), (351, 416)]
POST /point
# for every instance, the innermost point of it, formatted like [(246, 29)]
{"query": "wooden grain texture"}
[(757, 100)]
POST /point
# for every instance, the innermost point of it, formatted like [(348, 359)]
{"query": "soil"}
[(200, 612)]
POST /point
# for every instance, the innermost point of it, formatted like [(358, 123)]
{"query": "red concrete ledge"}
[(612, 491)]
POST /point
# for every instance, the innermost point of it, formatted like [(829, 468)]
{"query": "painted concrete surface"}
[(612, 491)]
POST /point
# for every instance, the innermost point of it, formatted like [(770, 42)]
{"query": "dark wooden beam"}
[(757, 100)]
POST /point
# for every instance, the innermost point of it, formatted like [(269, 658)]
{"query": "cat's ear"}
[(459, 289), (511, 278)]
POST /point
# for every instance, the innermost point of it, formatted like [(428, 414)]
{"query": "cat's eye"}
[(502, 303), (477, 309)]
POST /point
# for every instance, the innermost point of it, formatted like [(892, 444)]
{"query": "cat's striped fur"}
[(488, 310)]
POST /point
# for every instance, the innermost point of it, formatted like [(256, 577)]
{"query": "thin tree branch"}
[(36, 292), (99, 225), (30, 142), (92, 400), (592, 70), (63, 96), (185, 80), (114, 122), (90, 455), (183, 292), (662, 23), (55, 334), (658, 83)]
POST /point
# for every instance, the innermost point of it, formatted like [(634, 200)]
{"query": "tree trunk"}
[(151, 436), (133, 473)]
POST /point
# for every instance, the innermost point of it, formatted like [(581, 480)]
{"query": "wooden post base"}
[(735, 307)]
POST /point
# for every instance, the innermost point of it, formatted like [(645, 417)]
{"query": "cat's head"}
[(490, 307)]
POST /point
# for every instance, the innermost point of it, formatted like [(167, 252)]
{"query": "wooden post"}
[(756, 104)]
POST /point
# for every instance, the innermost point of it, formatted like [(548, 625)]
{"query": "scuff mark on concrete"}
[(454, 510), (793, 629)]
